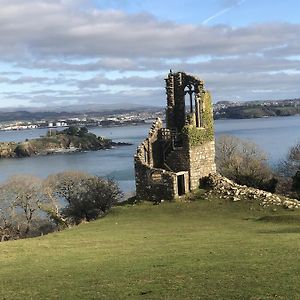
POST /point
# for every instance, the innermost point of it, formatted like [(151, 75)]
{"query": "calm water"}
[(273, 135)]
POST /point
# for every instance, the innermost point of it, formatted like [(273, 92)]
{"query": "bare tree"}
[(289, 166), (7, 228), (65, 185), (21, 201), (243, 162), (289, 170), (30, 206)]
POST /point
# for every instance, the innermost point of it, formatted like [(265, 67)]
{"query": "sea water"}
[(273, 135)]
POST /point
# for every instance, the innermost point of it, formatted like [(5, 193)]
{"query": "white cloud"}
[(62, 36), (53, 29)]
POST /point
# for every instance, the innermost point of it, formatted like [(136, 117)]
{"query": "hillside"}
[(250, 111), (213, 249)]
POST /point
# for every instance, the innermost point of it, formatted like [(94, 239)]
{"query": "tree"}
[(21, 201), (291, 164), (72, 130), (243, 162), (85, 197), (8, 229), (289, 170), (82, 131), (66, 185)]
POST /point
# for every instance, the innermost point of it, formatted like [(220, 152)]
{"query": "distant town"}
[(87, 120), (20, 120)]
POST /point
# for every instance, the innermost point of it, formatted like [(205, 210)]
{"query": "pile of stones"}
[(227, 189)]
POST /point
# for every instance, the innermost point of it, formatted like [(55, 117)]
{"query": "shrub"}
[(86, 197)]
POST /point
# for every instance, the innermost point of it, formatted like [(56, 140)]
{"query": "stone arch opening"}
[(189, 95)]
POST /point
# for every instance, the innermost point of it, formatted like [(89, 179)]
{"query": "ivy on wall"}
[(198, 136)]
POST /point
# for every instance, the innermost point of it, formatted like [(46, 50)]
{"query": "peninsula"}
[(72, 139)]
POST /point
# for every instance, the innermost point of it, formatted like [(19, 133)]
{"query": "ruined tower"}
[(171, 161)]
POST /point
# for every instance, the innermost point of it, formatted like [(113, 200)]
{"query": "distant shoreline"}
[(264, 117), (88, 126)]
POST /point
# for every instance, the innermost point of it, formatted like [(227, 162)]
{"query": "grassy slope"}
[(198, 250)]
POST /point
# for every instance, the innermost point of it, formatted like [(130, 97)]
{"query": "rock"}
[(228, 189)]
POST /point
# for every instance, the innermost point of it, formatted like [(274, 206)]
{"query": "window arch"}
[(189, 92)]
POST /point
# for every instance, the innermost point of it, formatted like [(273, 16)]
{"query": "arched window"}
[(188, 98)]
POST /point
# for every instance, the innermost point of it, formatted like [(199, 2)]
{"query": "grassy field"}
[(198, 250)]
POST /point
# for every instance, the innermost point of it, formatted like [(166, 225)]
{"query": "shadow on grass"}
[(281, 231), (284, 220)]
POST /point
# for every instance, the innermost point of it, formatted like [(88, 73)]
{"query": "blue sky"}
[(68, 52), (232, 12)]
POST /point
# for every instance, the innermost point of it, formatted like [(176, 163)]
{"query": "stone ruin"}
[(225, 188), (171, 161)]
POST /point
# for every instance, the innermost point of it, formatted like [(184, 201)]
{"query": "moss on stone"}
[(197, 136)]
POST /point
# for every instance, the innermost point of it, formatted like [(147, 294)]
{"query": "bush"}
[(86, 197)]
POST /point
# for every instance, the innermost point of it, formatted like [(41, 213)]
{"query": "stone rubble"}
[(227, 189)]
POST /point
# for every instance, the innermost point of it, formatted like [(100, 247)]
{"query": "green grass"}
[(198, 250)]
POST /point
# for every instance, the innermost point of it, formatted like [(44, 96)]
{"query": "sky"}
[(68, 52)]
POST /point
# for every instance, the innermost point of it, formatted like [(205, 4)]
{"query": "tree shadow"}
[(293, 220), (281, 230)]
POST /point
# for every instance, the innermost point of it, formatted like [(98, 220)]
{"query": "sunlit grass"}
[(197, 250)]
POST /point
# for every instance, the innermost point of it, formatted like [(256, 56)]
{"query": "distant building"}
[(172, 160)]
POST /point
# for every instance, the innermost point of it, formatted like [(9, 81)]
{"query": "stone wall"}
[(202, 162), (178, 160), (153, 183), (145, 152)]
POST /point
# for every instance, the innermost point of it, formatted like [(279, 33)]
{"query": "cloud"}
[(99, 52), (43, 98), (68, 33), (21, 80), (133, 81)]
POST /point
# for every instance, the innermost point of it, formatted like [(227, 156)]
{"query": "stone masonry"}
[(171, 161)]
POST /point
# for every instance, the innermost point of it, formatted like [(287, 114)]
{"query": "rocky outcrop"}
[(227, 189), (58, 143)]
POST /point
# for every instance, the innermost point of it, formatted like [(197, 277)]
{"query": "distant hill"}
[(81, 108), (256, 109), (32, 114)]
